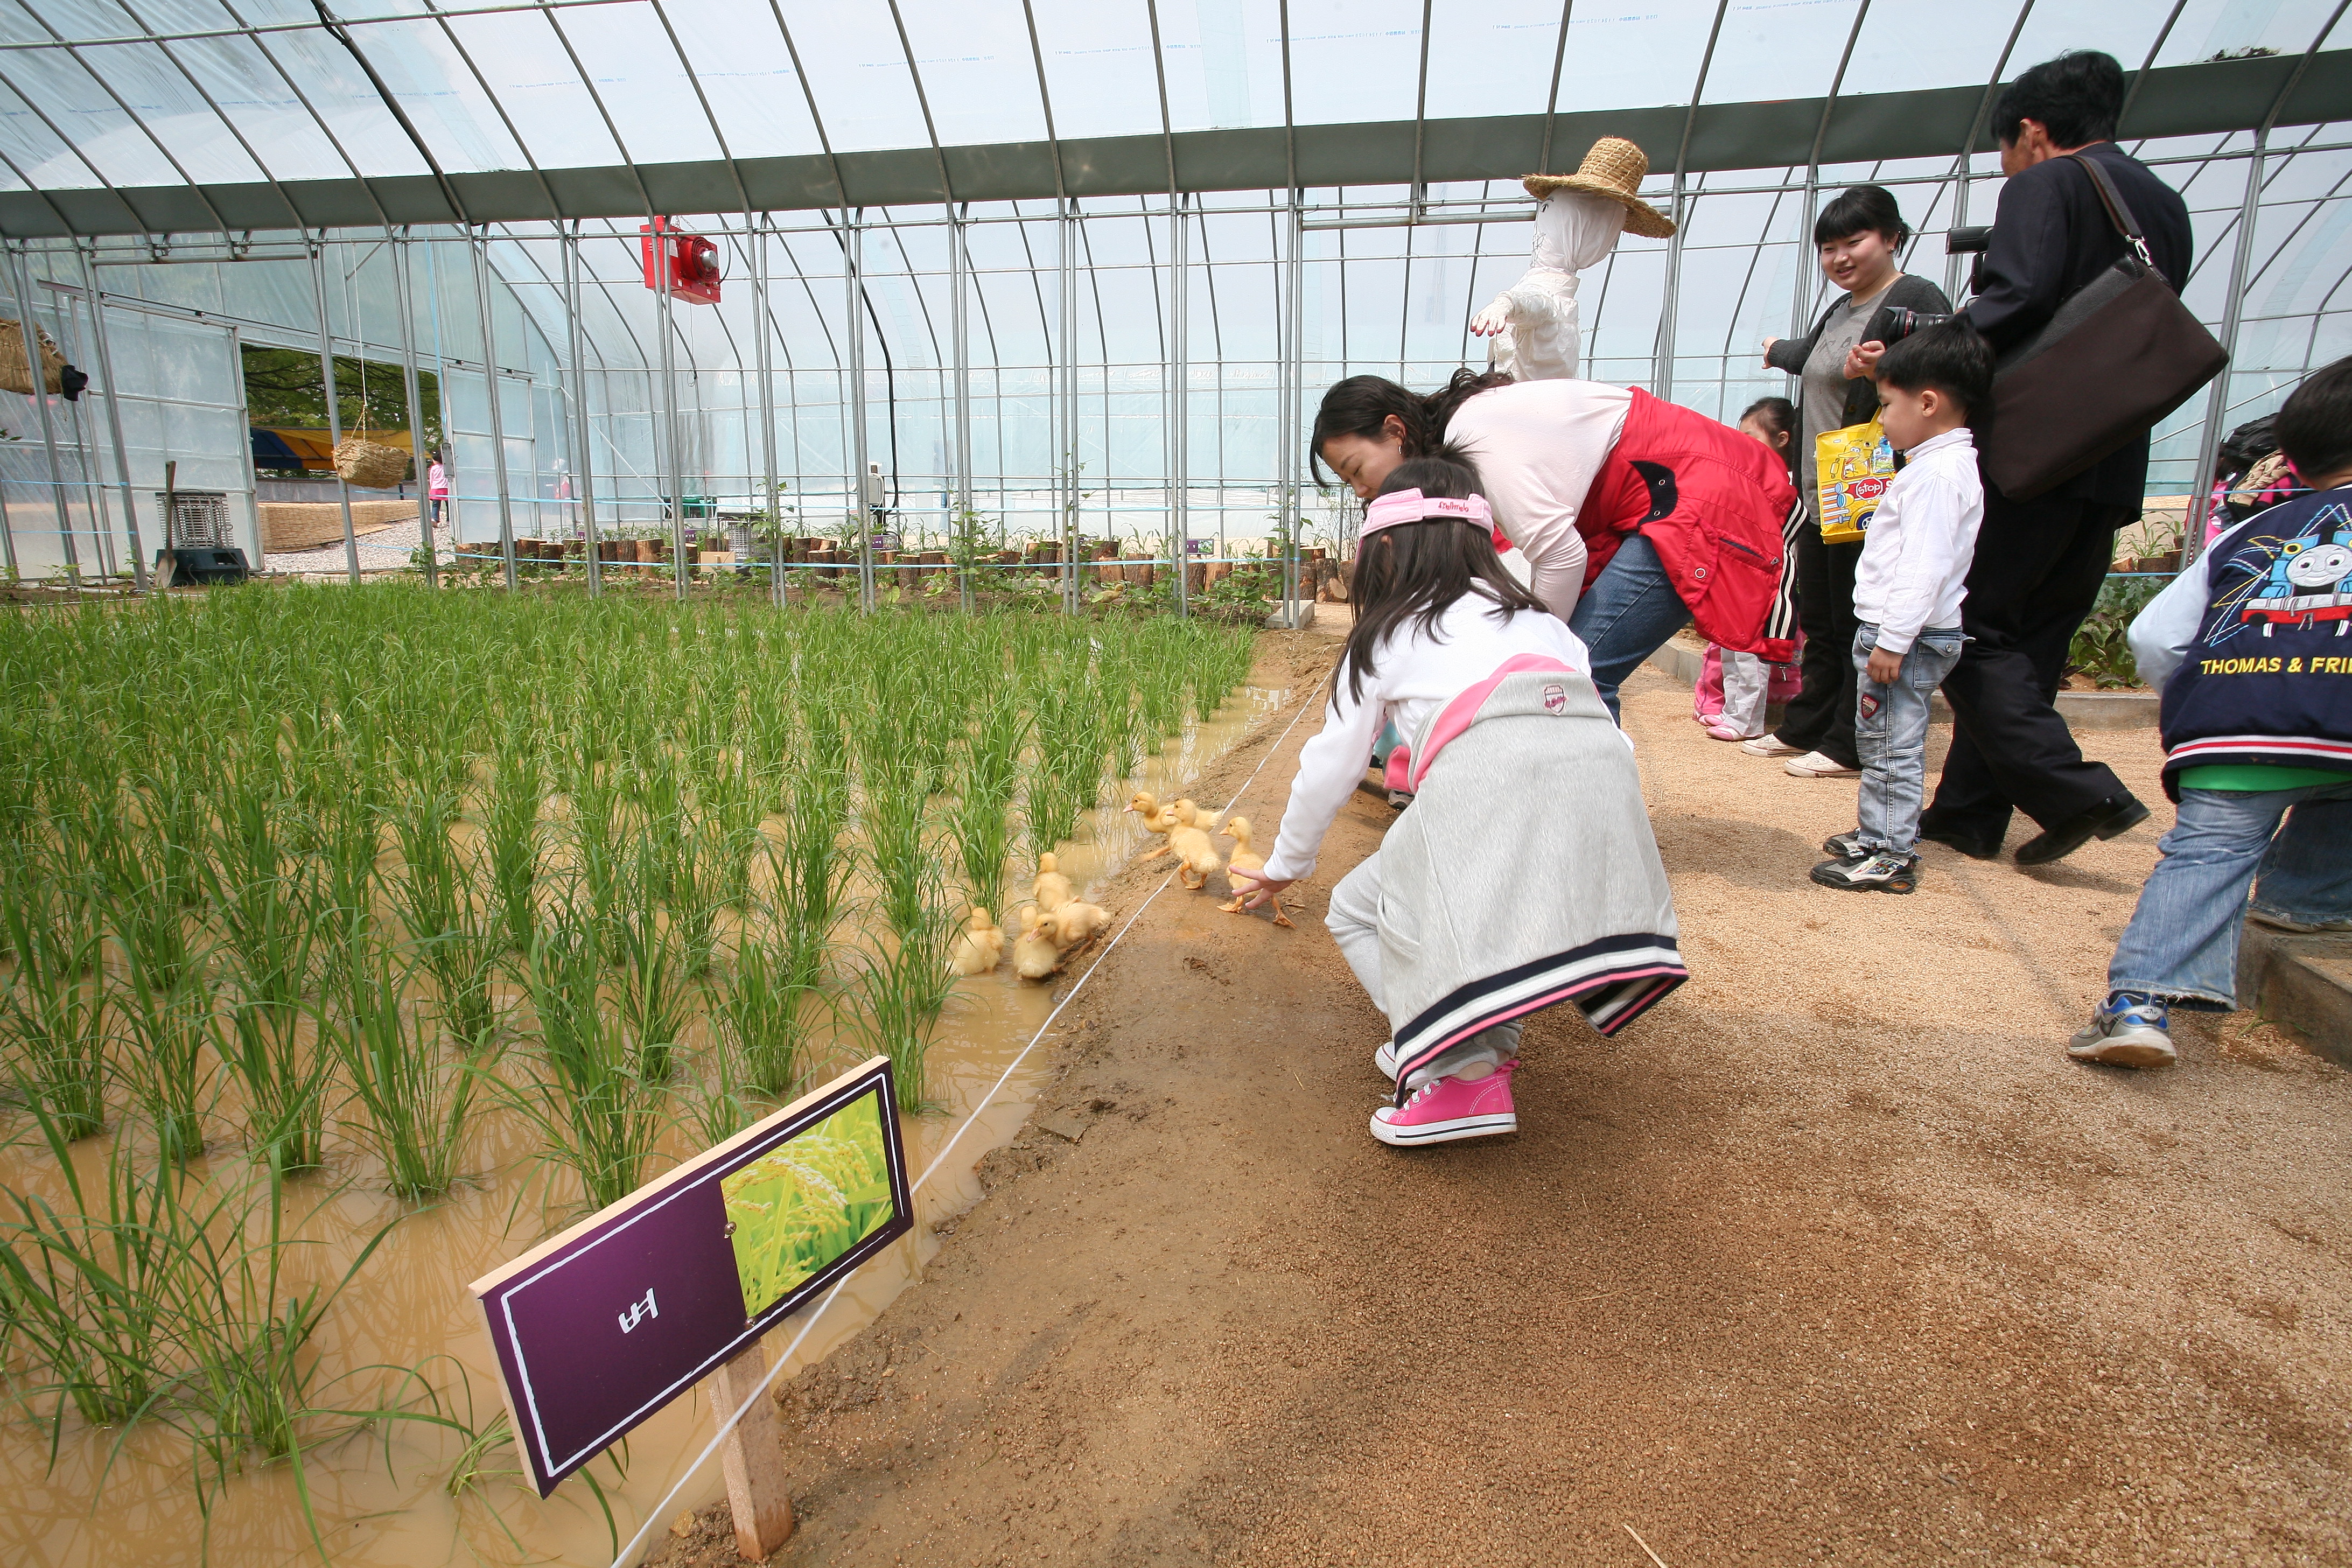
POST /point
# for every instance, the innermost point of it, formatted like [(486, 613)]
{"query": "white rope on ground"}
[(654, 1516)]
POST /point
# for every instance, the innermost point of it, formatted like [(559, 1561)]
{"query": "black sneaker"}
[(1845, 845), (1883, 871)]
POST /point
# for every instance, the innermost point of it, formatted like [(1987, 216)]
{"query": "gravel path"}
[(1832, 1257)]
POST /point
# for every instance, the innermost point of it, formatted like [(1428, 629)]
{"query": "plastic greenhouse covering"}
[(1038, 260)]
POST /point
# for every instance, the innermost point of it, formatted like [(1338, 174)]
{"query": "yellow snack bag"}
[(1852, 466)]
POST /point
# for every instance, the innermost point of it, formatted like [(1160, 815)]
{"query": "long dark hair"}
[(1361, 405), (1416, 570)]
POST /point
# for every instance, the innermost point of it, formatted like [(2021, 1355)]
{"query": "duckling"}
[(1245, 859), (1034, 956), (1157, 818), (978, 946), (1197, 856), (1073, 925), (1052, 889)]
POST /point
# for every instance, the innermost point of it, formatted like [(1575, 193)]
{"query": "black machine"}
[(196, 566)]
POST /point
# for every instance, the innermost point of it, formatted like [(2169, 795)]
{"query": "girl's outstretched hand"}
[(1255, 892)]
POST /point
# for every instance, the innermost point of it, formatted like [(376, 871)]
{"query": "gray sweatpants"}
[(1355, 924)]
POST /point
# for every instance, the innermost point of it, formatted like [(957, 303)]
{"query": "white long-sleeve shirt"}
[(1538, 445), (1413, 676), (1914, 570)]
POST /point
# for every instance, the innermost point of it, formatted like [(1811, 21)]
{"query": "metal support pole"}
[(853, 278), (583, 459), (1662, 376), (334, 405), (769, 503), (2217, 402), (413, 390), (1180, 404), (675, 467), (21, 266), (113, 418), (959, 261), (1067, 399), (1294, 358), (490, 385)]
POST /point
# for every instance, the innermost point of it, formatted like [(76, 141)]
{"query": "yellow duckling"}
[(979, 946), (1247, 859)]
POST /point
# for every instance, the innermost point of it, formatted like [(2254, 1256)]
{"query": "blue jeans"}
[(1627, 615), (1890, 734), (2182, 941)]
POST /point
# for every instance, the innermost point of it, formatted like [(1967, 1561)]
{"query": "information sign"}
[(602, 1325)]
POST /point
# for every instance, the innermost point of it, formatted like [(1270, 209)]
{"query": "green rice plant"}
[(765, 1020), (813, 869), (414, 1096), (983, 819), (598, 1115), (88, 1305), (454, 939), (511, 841), (655, 1005), (53, 1007), (1071, 744), (168, 1029)]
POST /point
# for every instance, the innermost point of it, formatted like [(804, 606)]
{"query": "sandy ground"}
[(1833, 1255)]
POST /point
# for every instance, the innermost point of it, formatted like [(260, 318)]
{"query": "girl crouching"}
[(1525, 873)]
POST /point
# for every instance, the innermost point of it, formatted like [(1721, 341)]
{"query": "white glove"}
[(1490, 321)]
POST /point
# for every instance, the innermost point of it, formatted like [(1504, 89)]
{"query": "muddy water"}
[(382, 1495)]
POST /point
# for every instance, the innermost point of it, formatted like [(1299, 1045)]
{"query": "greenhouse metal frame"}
[(1225, 228)]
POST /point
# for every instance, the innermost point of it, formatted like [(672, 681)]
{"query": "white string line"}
[(654, 1516)]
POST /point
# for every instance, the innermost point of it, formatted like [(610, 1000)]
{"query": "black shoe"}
[(1968, 844), (1881, 871), (2105, 820), (1845, 845)]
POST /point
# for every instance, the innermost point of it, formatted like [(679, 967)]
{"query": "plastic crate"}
[(198, 518)]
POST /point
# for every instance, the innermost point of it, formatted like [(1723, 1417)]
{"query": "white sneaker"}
[(1767, 745), (2285, 922), (1813, 766), (1385, 1059)]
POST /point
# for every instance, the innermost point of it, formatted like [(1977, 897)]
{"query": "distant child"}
[(436, 490), (2252, 644), (1907, 589), (1729, 698), (1523, 874)]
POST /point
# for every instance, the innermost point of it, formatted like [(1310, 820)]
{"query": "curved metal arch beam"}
[(1045, 96), (2148, 60), (923, 101), (554, 210), (1551, 99), (816, 118), (67, 143), (628, 159), (734, 172), (237, 130), (73, 51), (278, 66), (343, 35), (1159, 73)]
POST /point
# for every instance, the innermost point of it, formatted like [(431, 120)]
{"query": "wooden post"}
[(758, 1489)]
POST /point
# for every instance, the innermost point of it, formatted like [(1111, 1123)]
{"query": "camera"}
[(1973, 240), (1891, 323)]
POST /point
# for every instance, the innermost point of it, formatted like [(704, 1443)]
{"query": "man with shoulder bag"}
[(2058, 252)]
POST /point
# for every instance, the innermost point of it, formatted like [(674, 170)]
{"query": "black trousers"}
[(2037, 573), (1821, 717)]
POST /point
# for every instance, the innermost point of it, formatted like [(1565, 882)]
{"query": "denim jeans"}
[(1890, 734), (1627, 615), (2182, 941)]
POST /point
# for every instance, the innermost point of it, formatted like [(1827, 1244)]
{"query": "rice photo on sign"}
[(805, 1203)]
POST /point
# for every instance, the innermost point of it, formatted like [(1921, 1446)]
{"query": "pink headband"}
[(1412, 506)]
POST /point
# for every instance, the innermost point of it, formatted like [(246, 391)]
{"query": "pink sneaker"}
[(1721, 728), (1450, 1108)]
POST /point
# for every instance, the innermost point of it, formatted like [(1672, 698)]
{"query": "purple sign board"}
[(604, 1324)]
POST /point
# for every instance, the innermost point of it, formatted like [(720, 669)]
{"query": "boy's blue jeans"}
[(1890, 734), (2182, 942)]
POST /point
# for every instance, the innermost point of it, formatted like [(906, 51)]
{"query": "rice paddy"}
[(322, 910)]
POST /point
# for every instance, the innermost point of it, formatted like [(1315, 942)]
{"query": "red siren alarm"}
[(691, 260)]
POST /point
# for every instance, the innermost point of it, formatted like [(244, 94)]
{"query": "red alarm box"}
[(692, 261)]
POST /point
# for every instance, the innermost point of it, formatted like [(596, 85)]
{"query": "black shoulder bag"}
[(2119, 355)]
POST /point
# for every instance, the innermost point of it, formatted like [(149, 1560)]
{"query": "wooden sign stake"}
[(758, 1486)]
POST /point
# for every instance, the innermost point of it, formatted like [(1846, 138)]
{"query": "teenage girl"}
[(1488, 899), (1636, 515), (1746, 679)]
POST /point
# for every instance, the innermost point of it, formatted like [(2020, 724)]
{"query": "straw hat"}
[(1613, 169)]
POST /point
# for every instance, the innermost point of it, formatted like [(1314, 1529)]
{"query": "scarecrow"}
[(1577, 219)]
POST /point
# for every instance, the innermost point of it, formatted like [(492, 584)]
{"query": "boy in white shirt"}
[(1908, 590)]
